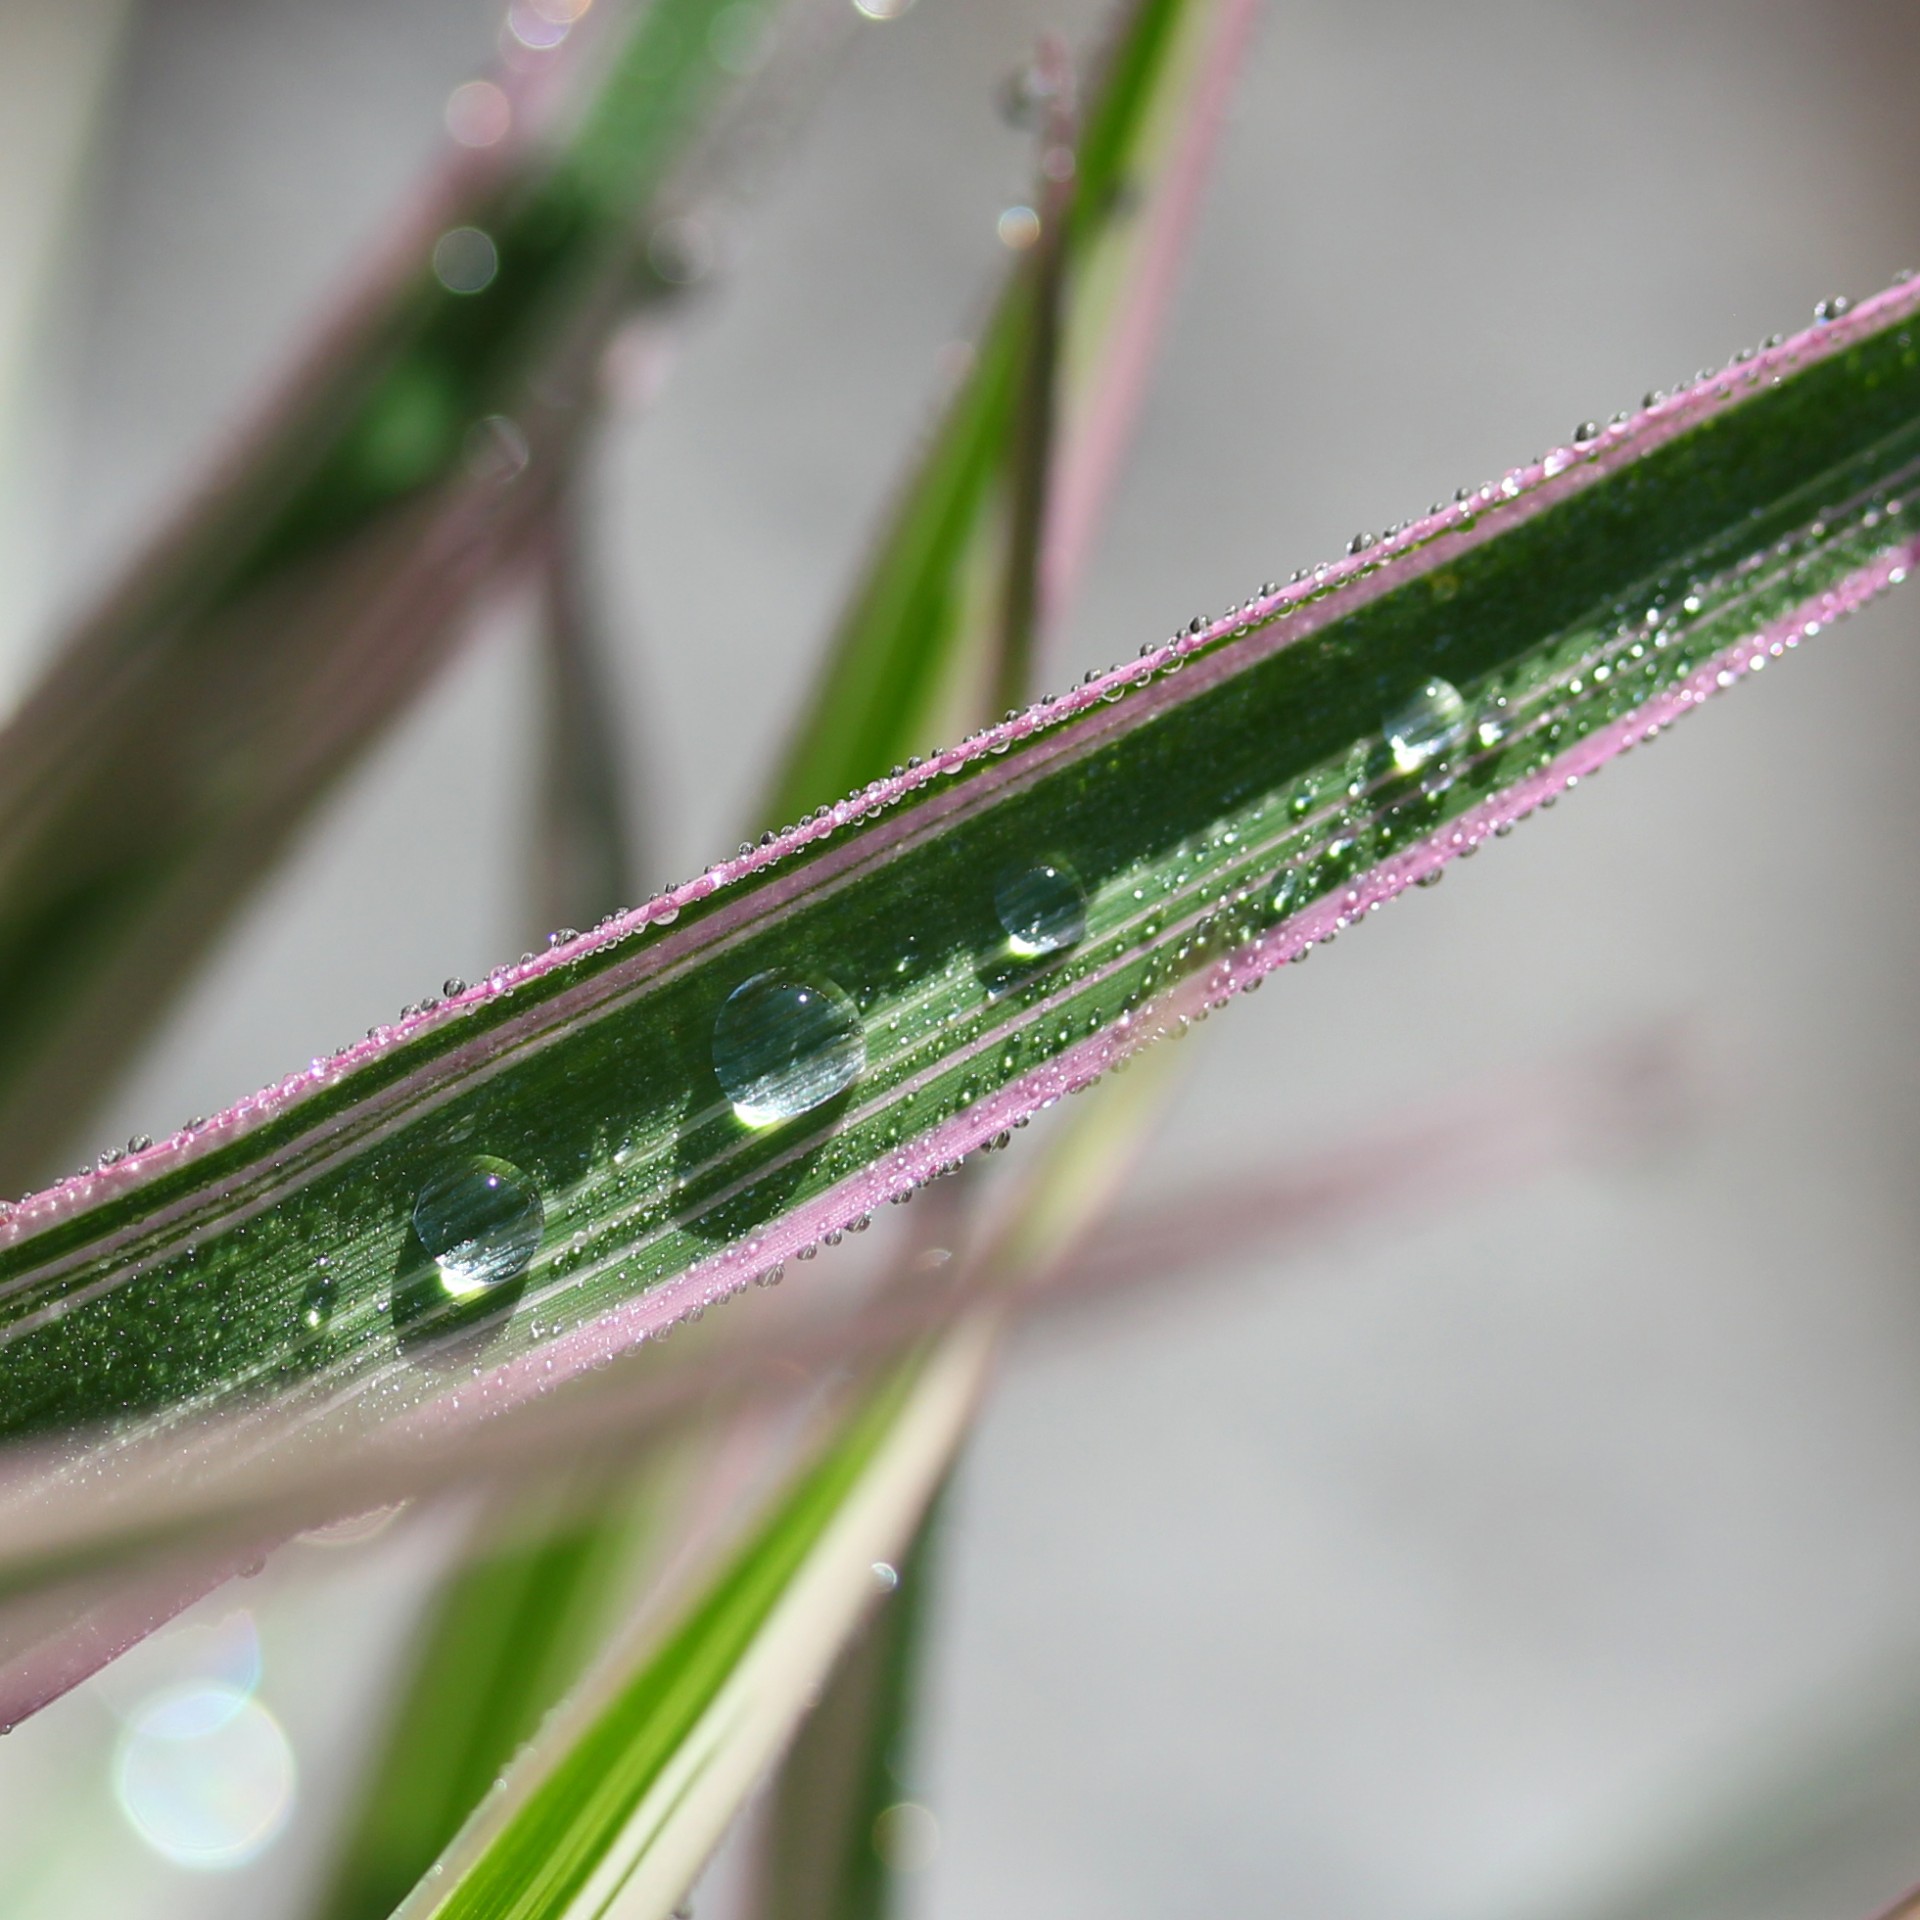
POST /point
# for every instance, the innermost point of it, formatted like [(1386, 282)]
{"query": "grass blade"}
[(645, 1856), (634, 1796), (502, 1641), (913, 658), (1486, 1138), (400, 1835), (1229, 800)]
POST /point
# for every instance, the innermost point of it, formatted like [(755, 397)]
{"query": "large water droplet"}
[(1043, 909), (783, 1046), (1428, 727), (481, 1222)]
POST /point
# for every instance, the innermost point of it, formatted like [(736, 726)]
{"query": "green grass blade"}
[(514, 1622), (912, 659), (502, 1641), (1227, 801), (624, 1804)]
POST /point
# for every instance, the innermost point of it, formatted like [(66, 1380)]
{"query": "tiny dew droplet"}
[(481, 1223), (1043, 908), (1429, 726), (783, 1046)]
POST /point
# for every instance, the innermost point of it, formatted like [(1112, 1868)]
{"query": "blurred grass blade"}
[(618, 1807), (529, 1600), (389, 1848), (1149, 148), (501, 1642), (913, 660), (188, 725), (1631, 1092), (827, 1852), (1165, 836), (1620, 1099), (823, 1852)]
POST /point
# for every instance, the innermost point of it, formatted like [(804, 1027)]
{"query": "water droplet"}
[(783, 1046), (316, 1302), (1586, 430), (683, 251), (1426, 728), (906, 1837), (481, 1223), (1043, 909), (495, 450)]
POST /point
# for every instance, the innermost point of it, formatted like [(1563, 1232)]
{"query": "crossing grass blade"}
[(687, 1759)]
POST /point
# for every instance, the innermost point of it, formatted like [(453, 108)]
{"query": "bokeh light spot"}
[(906, 1836), (465, 260), (205, 1776), (479, 114)]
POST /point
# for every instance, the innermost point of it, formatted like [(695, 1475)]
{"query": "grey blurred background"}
[(1556, 1556)]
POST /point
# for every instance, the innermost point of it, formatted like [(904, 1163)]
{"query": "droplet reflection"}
[(479, 114), (906, 1836), (1018, 228)]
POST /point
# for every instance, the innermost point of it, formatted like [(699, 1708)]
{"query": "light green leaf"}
[(620, 1803)]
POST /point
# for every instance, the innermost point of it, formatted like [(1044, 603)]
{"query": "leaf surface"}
[(1222, 804)]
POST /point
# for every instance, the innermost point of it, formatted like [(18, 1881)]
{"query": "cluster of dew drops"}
[(782, 1045)]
